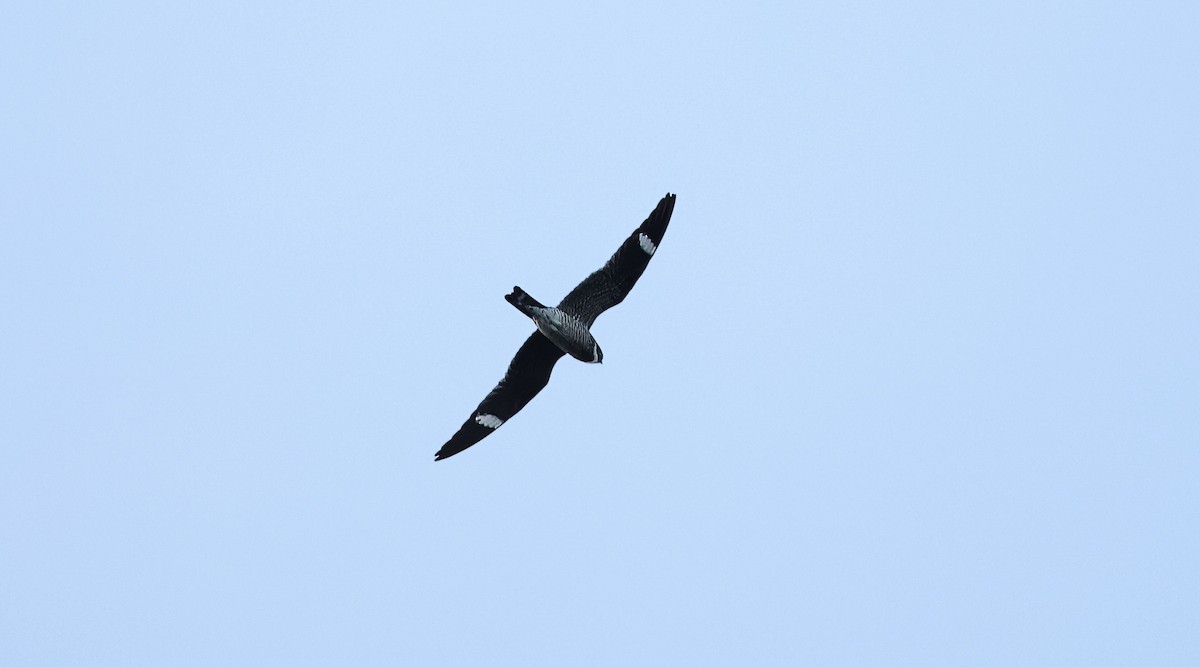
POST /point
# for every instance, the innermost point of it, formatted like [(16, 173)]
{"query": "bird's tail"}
[(521, 300)]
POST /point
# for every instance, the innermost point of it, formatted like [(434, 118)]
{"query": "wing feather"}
[(527, 374), (611, 283)]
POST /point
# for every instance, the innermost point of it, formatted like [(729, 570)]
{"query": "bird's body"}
[(565, 329)]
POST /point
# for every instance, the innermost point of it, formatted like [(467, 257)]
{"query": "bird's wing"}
[(607, 286), (528, 372)]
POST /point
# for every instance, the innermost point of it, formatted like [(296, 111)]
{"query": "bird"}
[(562, 330)]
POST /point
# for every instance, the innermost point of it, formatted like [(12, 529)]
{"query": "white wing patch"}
[(647, 244), (490, 421)]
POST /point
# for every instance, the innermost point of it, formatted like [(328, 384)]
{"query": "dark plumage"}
[(562, 330)]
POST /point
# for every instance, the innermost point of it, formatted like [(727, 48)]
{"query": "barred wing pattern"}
[(527, 374), (609, 285)]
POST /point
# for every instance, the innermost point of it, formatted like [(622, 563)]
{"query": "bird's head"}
[(597, 354)]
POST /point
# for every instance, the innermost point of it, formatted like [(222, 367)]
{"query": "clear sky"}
[(913, 378)]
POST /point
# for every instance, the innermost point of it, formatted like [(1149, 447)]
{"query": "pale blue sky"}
[(912, 380)]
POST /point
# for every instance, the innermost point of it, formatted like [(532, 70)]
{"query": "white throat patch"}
[(647, 244), (490, 421)]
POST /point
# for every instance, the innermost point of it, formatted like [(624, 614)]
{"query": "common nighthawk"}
[(562, 330)]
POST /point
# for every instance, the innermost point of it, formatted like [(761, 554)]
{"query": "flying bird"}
[(565, 329)]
